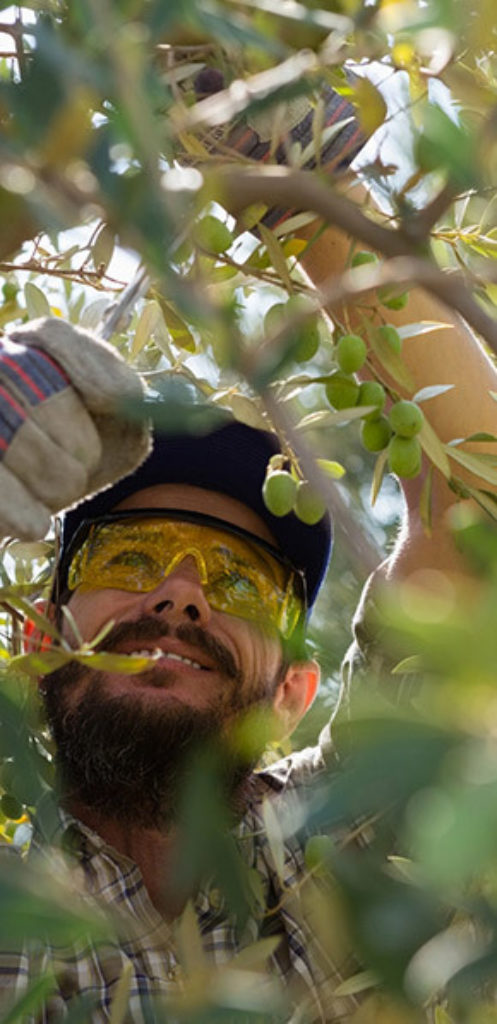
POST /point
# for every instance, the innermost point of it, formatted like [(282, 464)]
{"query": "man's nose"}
[(180, 596)]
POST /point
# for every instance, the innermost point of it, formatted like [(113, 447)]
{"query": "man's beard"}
[(129, 761)]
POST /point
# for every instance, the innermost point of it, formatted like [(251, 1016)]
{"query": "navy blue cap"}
[(231, 459)]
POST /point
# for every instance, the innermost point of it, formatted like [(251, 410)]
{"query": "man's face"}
[(214, 667)]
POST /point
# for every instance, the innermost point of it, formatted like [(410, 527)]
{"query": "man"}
[(185, 561), (215, 653), (213, 587)]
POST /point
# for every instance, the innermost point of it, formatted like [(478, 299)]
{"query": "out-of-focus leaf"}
[(40, 662), (193, 956), (326, 418), (37, 303), (411, 664), (120, 999), (276, 255), (93, 313), (148, 321), (358, 983), (35, 903), (448, 146), (177, 327), (103, 248), (244, 409), (22, 549), (275, 837), (256, 955), (32, 1000), (330, 468), (370, 105)]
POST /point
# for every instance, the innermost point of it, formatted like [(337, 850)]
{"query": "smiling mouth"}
[(159, 655)]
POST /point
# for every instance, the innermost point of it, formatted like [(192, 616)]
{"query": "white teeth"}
[(178, 657), (147, 654), (165, 654)]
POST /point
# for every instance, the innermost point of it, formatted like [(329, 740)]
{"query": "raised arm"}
[(451, 355)]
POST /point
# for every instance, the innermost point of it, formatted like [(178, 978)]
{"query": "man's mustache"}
[(149, 629)]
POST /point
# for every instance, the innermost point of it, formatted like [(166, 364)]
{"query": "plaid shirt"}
[(308, 965)]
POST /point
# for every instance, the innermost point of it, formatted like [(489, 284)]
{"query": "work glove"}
[(61, 437)]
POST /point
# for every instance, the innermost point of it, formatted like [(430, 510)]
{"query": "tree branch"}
[(241, 187)]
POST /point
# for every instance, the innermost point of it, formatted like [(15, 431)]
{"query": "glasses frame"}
[(176, 515)]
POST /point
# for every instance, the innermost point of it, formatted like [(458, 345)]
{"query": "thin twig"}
[(19, 42)]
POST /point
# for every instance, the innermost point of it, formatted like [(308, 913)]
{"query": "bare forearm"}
[(450, 355)]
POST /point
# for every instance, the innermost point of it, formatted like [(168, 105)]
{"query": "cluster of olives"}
[(398, 430), (282, 494)]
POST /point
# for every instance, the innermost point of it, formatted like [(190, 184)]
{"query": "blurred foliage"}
[(103, 166)]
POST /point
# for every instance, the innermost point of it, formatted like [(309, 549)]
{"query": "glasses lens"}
[(239, 576)]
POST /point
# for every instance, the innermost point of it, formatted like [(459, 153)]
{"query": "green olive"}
[(279, 492), (351, 352), (406, 418), (371, 392), (375, 434), (404, 456), (309, 505), (342, 391), (213, 234)]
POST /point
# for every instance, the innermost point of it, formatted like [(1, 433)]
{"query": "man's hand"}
[(60, 437)]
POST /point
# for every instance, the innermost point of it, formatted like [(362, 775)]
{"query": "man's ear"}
[(295, 694)]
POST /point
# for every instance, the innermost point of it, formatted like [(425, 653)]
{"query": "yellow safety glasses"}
[(240, 574)]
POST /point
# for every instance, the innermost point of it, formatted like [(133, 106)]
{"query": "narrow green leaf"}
[(431, 392), (423, 327), (330, 468), (391, 361), (481, 436), (485, 500), (434, 449), (476, 464), (378, 474), (276, 255), (127, 664), (412, 664)]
